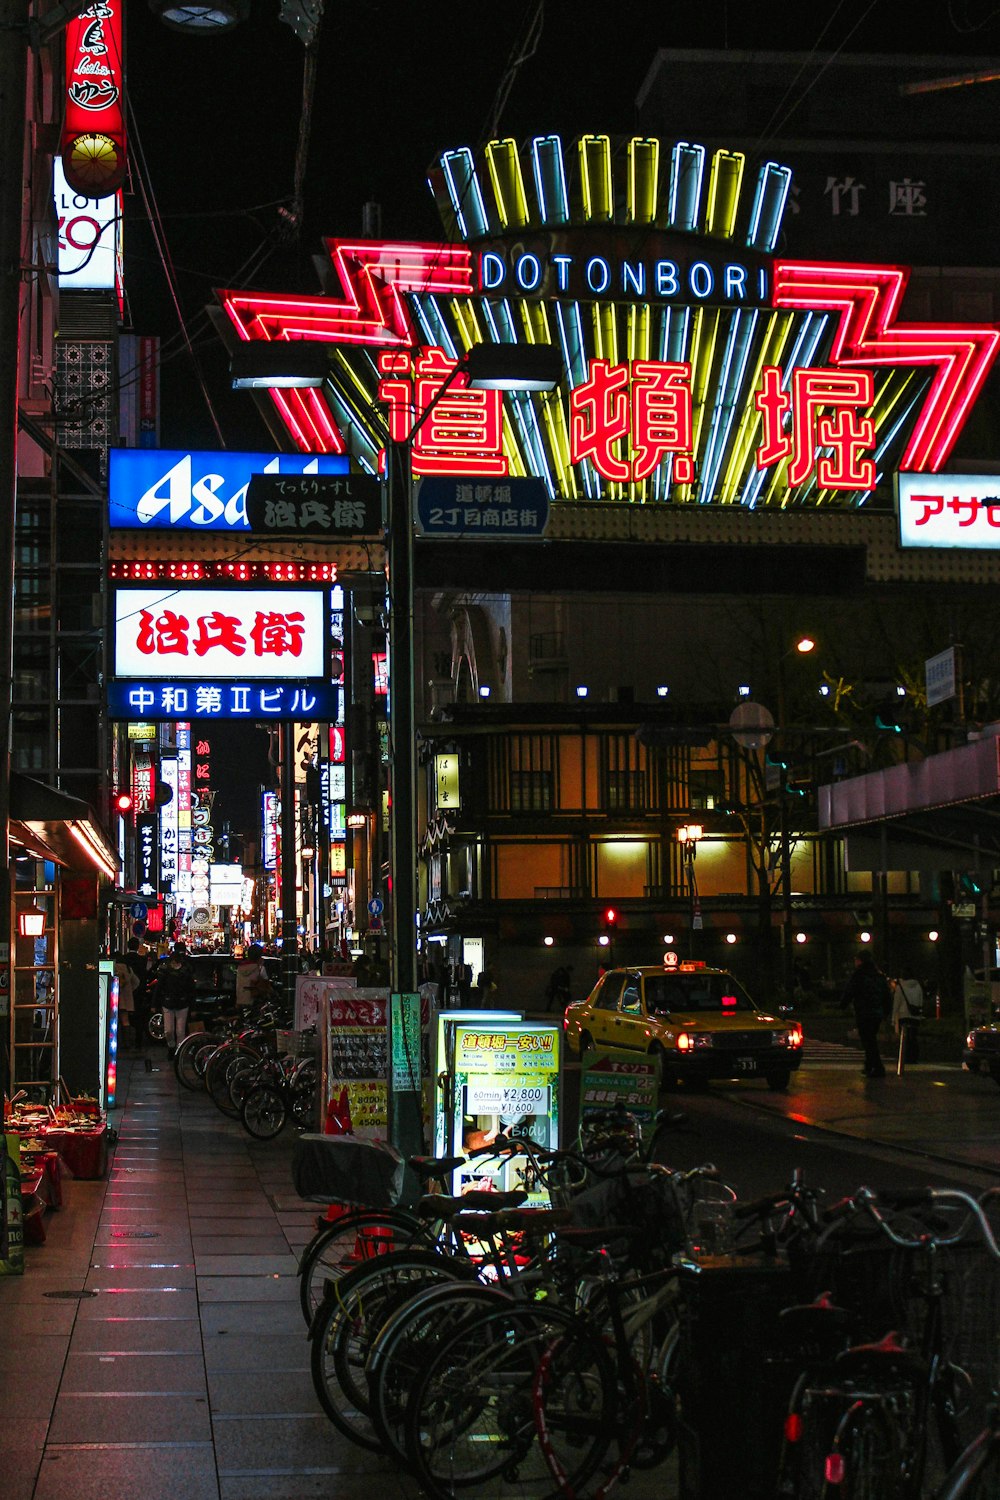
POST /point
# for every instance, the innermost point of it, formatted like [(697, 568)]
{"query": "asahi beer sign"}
[(163, 488)]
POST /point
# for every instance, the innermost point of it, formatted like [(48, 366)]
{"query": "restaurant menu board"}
[(506, 1083), (357, 1056), (11, 1209), (357, 1059)]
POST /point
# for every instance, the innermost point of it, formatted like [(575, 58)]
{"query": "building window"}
[(531, 791), (625, 791), (706, 789)]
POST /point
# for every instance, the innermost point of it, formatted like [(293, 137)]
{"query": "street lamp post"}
[(504, 367), (688, 835), (803, 646)]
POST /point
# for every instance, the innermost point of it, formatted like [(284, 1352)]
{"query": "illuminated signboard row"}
[(217, 633), (162, 701), (697, 365), (159, 488)]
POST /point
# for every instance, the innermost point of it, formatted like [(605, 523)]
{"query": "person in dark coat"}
[(175, 991), (868, 993), (138, 963)]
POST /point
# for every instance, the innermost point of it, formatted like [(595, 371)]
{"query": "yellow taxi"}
[(698, 1022)]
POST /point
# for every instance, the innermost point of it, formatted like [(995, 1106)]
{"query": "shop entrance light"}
[(31, 922)]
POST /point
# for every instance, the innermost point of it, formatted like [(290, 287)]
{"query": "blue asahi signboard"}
[(153, 489)]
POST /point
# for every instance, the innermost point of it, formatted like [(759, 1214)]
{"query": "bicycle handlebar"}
[(865, 1201)]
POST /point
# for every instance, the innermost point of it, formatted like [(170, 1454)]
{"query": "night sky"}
[(214, 125)]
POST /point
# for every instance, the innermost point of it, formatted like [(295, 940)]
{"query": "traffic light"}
[(892, 715), (610, 919), (122, 804)]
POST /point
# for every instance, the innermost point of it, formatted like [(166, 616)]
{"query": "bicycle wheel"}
[(345, 1243), (302, 1090), (185, 1059), (846, 1446), (404, 1344), (154, 1026), (868, 1442), (346, 1324), (976, 1476), (264, 1112), (472, 1421), (217, 1073)]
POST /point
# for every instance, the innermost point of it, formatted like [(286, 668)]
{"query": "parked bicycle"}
[(881, 1418)]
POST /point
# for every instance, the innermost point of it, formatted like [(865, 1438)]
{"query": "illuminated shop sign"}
[(89, 235), (219, 633), (270, 820), (155, 488), (328, 505), (147, 879), (949, 510), (168, 821), (699, 366), (646, 265), (93, 132), (223, 700)]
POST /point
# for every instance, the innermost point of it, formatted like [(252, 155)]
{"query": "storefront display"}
[(356, 1054), (501, 1079)]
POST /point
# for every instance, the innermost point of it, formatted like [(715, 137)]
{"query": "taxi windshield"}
[(718, 994)]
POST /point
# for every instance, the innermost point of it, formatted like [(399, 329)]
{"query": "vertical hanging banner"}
[(93, 134)]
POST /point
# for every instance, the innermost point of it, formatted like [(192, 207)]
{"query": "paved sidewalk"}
[(155, 1344)]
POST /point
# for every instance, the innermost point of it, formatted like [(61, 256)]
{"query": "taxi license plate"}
[(746, 1064)]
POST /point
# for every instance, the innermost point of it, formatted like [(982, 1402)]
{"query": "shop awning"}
[(53, 825), (942, 812)]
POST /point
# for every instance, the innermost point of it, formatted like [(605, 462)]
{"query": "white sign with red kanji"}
[(949, 510), (220, 633)]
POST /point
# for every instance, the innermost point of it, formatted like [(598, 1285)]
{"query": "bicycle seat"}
[(876, 1358), (427, 1167), (512, 1220), (440, 1206)]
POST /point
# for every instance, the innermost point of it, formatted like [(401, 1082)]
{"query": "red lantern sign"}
[(93, 136)]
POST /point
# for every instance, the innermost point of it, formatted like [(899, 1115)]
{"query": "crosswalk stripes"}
[(814, 1050)]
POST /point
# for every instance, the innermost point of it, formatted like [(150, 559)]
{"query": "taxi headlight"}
[(690, 1041)]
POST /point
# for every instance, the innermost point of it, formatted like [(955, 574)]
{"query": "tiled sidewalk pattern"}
[(178, 1364)]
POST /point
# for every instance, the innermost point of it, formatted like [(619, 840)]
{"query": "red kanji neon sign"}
[(458, 429), (647, 404)]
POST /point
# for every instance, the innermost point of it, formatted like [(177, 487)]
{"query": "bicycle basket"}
[(341, 1169), (638, 1199), (869, 1276)]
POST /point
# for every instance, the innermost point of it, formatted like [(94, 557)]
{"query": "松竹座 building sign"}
[(698, 365)]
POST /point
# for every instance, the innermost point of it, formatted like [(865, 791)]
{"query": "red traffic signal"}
[(610, 918), (121, 802)]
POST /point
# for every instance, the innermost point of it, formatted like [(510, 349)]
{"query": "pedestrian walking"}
[(867, 992), (126, 1002), (557, 992), (175, 991), (137, 960)]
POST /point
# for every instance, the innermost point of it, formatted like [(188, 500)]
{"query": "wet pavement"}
[(155, 1344)]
